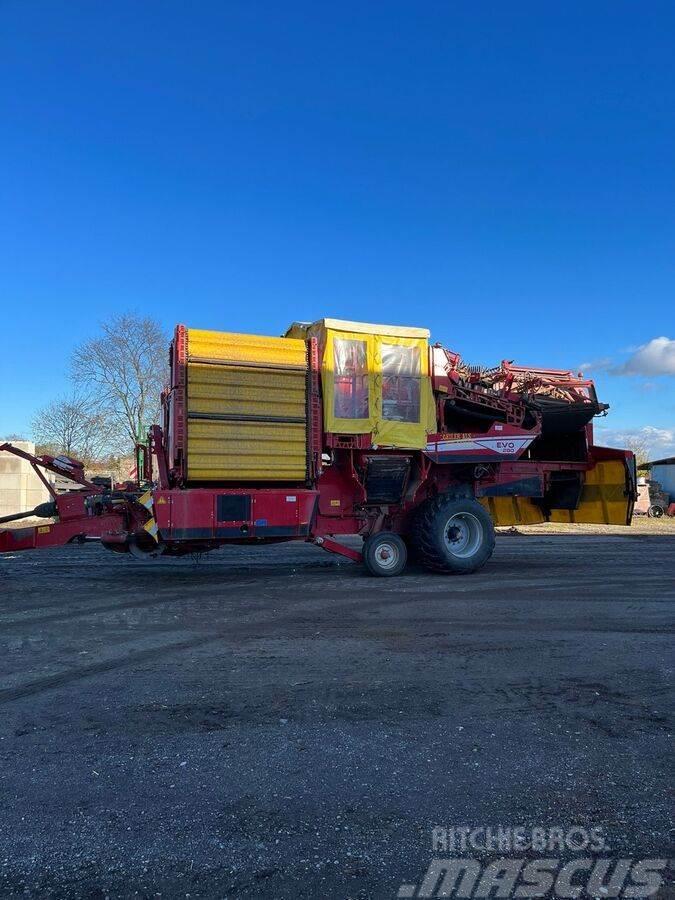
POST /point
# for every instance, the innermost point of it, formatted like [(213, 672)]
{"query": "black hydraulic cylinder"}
[(42, 511)]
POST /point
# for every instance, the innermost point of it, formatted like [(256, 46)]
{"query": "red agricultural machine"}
[(342, 428)]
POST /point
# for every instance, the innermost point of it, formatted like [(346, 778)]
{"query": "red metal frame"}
[(532, 379), (81, 514), (175, 404), (156, 450), (76, 523), (60, 465), (208, 514), (314, 411), (332, 546)]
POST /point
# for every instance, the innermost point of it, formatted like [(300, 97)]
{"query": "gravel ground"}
[(274, 723)]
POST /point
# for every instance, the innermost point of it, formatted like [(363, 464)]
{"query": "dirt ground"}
[(639, 525), (274, 723)]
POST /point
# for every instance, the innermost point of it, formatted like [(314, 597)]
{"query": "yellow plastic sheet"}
[(375, 381)]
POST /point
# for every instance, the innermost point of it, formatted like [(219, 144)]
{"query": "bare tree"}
[(640, 447), (125, 370), (71, 425)]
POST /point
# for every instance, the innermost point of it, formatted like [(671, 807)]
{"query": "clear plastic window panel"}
[(401, 376), (350, 379)]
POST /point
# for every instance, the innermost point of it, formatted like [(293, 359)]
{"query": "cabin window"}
[(350, 379), (401, 373)]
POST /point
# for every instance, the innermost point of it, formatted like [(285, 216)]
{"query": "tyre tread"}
[(428, 554)]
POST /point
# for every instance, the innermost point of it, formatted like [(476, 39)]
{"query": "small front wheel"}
[(385, 554)]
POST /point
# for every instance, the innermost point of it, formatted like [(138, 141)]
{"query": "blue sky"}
[(501, 173)]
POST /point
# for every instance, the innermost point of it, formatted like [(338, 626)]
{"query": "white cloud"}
[(655, 435), (657, 357), (657, 441), (596, 365)]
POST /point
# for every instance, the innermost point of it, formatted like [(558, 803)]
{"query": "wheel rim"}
[(386, 555), (463, 535)]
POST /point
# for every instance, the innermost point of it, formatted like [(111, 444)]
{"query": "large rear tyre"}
[(453, 536), (385, 554)]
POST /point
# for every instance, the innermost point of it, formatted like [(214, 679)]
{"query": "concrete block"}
[(20, 487), (11, 500)]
